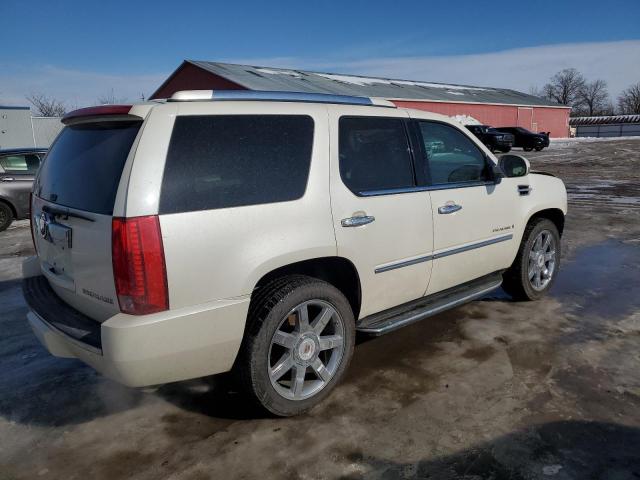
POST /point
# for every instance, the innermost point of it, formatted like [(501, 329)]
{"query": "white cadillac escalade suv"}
[(257, 232)]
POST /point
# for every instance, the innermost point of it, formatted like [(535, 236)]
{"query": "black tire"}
[(516, 279), (527, 149), (506, 150), (492, 149), (6, 216), (268, 309), (538, 149)]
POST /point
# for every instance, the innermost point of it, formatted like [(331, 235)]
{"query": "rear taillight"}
[(138, 265)]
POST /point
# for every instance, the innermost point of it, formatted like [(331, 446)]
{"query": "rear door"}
[(16, 176), (74, 196), (382, 221)]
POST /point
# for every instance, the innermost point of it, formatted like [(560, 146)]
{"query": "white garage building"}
[(18, 129)]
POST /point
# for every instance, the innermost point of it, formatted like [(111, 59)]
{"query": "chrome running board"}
[(408, 313)]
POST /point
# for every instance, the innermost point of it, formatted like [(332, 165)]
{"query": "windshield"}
[(84, 165)]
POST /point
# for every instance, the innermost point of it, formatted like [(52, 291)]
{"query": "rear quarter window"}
[(224, 161)]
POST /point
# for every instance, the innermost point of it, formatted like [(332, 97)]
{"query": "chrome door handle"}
[(450, 208), (357, 221), (7, 179)]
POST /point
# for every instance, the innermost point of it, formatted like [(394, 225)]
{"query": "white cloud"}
[(75, 87), (616, 62)]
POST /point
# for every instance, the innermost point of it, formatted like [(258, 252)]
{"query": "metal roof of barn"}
[(292, 80), (604, 120)]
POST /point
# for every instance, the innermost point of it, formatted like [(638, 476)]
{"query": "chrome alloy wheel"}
[(542, 260), (305, 354)]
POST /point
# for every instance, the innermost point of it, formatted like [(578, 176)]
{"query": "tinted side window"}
[(26, 163), (234, 160), (452, 156), (374, 154)]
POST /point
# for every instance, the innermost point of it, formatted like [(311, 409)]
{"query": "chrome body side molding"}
[(443, 253)]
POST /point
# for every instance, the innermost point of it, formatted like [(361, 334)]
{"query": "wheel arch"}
[(338, 271), (556, 215)]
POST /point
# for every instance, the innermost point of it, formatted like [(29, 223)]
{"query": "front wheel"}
[(506, 149), (6, 216), (298, 344), (536, 265)]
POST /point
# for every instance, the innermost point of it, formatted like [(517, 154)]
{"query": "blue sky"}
[(75, 50)]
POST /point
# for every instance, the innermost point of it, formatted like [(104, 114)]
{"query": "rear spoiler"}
[(103, 112)]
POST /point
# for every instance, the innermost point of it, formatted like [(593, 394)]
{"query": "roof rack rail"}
[(260, 95)]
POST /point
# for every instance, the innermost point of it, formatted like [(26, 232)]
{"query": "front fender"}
[(546, 193)]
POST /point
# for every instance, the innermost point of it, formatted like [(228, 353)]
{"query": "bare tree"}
[(536, 91), (46, 106), (110, 99), (608, 109), (564, 87), (629, 100), (593, 97)]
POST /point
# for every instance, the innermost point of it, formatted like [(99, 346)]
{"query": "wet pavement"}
[(493, 390)]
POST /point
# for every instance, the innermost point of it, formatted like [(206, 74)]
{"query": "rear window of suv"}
[(83, 168), (224, 161)]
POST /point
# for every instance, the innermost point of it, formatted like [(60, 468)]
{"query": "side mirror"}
[(514, 165)]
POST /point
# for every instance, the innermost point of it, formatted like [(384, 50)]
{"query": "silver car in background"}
[(18, 167)]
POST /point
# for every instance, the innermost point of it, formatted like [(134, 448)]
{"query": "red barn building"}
[(497, 107)]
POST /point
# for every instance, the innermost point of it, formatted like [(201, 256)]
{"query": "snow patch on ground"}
[(567, 142), (591, 139)]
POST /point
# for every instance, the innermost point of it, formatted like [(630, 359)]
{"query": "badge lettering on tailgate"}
[(97, 296)]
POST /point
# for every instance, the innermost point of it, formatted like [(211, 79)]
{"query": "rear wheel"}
[(6, 216), (539, 149), (536, 265), (298, 344)]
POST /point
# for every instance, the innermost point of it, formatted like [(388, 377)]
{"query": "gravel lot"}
[(492, 390)]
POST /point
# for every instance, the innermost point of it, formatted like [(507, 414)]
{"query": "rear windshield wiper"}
[(63, 212)]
